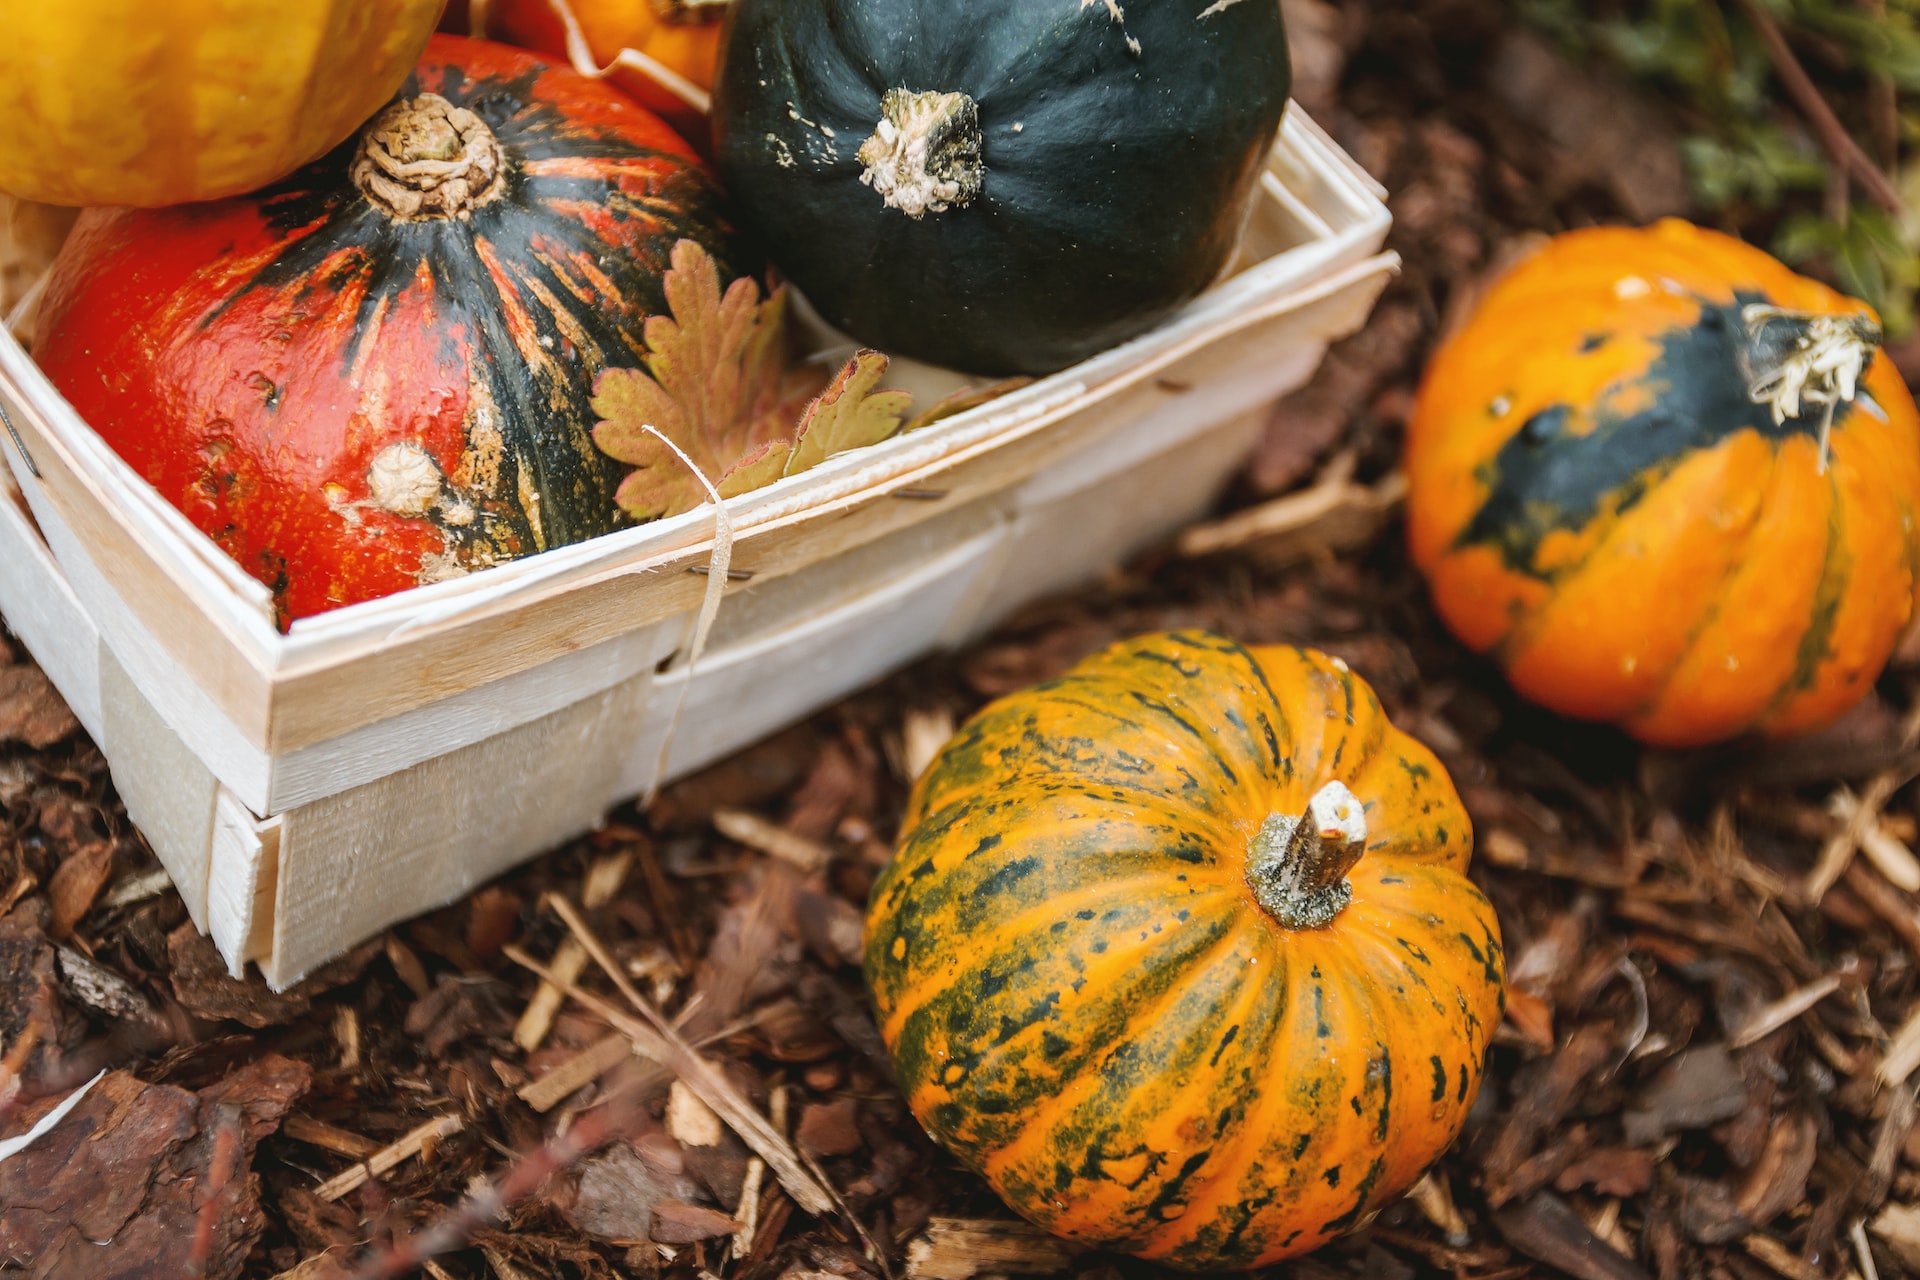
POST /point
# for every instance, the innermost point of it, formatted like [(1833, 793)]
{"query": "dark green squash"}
[(1081, 169)]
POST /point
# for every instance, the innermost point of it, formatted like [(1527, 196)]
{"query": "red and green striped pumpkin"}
[(379, 372)]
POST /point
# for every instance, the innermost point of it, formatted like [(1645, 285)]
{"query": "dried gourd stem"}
[(1298, 866), (424, 158), (1797, 358), (924, 155)]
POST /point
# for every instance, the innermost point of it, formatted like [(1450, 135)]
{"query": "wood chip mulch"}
[(649, 1053)]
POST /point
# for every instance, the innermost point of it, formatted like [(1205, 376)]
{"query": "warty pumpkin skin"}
[(130, 102), (1602, 496), (379, 373), (1079, 965)]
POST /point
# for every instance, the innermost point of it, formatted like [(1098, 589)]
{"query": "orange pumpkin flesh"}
[(1599, 501), (1079, 961)]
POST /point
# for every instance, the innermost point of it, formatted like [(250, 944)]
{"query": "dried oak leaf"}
[(717, 383)]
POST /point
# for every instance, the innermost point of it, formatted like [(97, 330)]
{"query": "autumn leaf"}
[(849, 414), (718, 386), (964, 399), (761, 467), (717, 383)]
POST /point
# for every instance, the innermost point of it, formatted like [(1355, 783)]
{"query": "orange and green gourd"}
[(1178, 952), (1665, 482)]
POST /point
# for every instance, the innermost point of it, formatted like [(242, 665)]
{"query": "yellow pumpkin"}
[(133, 102)]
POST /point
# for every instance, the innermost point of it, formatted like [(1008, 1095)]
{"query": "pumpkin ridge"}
[(966, 1098), (1042, 754), (1308, 1148), (1749, 622), (1363, 1008), (1812, 648), (1124, 960), (1241, 661), (1321, 731), (1723, 589), (1059, 905), (1025, 767), (1278, 724), (1128, 840), (1401, 808), (1254, 1127), (1099, 1109), (1861, 635)]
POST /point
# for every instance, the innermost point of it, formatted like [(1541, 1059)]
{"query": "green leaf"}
[(849, 414)]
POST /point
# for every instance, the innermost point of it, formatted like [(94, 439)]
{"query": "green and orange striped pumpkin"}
[(1126, 982), (1665, 482)]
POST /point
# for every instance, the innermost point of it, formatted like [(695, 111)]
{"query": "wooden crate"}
[(307, 789)]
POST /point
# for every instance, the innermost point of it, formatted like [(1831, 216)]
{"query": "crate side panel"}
[(400, 742), (213, 634), (760, 606), (179, 700), (241, 872), (354, 863), (169, 794), (1061, 542), (39, 607), (739, 695)]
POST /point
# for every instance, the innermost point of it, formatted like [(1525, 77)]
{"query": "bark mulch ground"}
[(1707, 1068)]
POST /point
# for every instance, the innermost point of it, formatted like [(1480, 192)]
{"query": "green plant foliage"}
[(1754, 162)]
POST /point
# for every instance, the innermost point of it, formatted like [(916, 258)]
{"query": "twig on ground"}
[(1772, 1017), (662, 1041), (755, 832), (1838, 143), (575, 1073), (391, 1156)]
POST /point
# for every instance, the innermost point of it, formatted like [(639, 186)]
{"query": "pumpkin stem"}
[(924, 155), (1795, 356), (1298, 866), (425, 158)]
